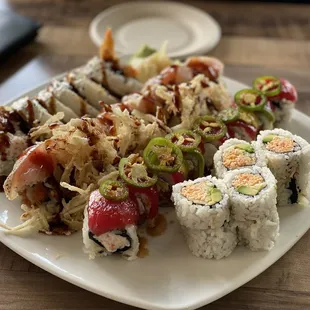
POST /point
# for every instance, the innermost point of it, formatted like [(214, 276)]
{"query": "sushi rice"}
[(289, 161), (113, 239), (206, 224), (254, 209), (259, 235), (199, 215), (211, 243), (283, 114), (235, 154), (257, 207)]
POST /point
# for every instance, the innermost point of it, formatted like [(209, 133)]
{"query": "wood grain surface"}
[(258, 38)]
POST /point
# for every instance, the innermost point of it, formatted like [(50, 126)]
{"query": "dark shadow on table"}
[(19, 59)]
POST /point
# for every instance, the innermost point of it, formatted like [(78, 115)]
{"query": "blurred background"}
[(255, 35)]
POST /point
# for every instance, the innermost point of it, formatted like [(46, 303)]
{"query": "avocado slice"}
[(216, 195), (251, 190), (245, 147), (266, 112), (268, 138), (144, 51)]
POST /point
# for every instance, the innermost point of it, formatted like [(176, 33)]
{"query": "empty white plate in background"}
[(188, 30)]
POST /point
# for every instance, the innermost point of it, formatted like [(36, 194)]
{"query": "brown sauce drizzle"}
[(83, 101), (4, 144), (91, 137), (115, 67), (177, 98), (104, 81), (83, 109), (43, 104), (52, 107), (204, 84), (160, 226), (30, 111), (143, 250), (8, 118), (108, 124)]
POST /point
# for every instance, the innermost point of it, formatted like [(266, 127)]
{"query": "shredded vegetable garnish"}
[(151, 65), (45, 131)]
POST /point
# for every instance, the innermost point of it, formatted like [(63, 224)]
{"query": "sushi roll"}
[(202, 203), (110, 223), (93, 92), (66, 94), (107, 70), (253, 198), (110, 75), (252, 192), (235, 154), (281, 95), (13, 139), (211, 243), (259, 235), (202, 209), (31, 111), (288, 158), (53, 106)]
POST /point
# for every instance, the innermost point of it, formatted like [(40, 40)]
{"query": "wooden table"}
[(258, 38)]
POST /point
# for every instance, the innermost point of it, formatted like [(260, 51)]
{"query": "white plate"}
[(188, 30), (170, 277)]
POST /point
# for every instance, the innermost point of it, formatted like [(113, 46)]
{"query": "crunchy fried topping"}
[(209, 126), (267, 85), (106, 51), (281, 144), (247, 179), (248, 98), (166, 156), (236, 158)]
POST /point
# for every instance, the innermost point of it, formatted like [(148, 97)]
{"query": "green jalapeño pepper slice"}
[(229, 115), (196, 164), (267, 112), (114, 190), (250, 99), (210, 128), (186, 140), (270, 86), (134, 172), (162, 155)]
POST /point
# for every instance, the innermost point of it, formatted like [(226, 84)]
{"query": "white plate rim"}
[(97, 40), (134, 301)]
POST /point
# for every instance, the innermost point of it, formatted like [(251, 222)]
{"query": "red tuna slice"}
[(106, 215)]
